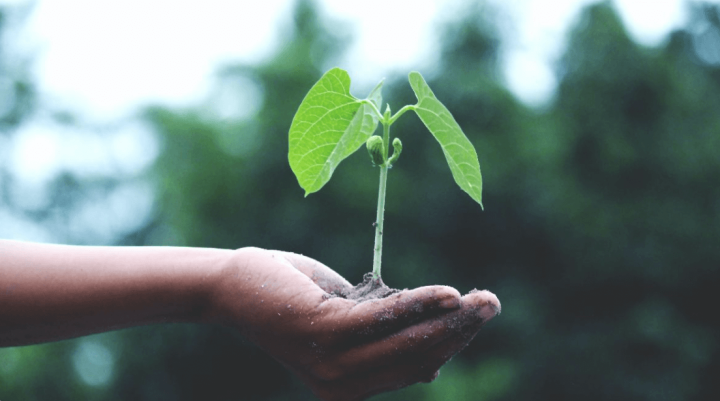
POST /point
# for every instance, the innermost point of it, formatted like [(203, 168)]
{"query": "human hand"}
[(344, 349)]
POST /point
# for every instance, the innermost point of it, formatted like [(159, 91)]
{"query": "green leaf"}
[(458, 150), (329, 126)]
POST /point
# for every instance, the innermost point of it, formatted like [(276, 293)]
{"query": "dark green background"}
[(600, 230)]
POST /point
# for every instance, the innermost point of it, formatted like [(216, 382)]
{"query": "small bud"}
[(375, 147), (397, 145), (387, 112), (397, 149)]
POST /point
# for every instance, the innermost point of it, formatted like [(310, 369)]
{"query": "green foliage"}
[(328, 127), (330, 122), (459, 152), (601, 241)]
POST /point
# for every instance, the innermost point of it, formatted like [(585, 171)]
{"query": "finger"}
[(373, 319), (477, 309), (416, 367), (324, 277), (482, 298), (460, 335), (462, 326), (387, 351)]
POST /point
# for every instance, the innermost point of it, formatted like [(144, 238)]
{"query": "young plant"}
[(331, 124)]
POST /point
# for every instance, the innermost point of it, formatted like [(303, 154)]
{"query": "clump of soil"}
[(370, 288)]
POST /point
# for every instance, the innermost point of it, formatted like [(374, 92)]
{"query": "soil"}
[(370, 288)]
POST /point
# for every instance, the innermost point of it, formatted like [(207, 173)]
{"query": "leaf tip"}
[(416, 76), (335, 69)]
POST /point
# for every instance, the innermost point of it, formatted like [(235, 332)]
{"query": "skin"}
[(342, 349)]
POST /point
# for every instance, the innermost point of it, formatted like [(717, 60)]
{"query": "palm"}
[(343, 349)]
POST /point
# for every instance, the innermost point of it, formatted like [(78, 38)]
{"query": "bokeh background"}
[(600, 233)]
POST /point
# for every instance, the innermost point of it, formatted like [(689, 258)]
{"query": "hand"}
[(342, 349)]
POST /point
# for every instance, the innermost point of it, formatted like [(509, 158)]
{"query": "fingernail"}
[(489, 311), (450, 303)]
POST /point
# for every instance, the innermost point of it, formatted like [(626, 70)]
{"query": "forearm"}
[(52, 292)]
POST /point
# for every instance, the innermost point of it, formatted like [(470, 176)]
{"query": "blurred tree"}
[(599, 235), (17, 93), (65, 199), (21, 369), (602, 217), (639, 214), (63, 207)]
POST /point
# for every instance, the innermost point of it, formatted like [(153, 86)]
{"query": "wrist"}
[(227, 289)]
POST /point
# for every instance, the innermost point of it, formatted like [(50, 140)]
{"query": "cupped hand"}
[(344, 349)]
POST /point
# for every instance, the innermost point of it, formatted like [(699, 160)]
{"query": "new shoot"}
[(331, 124)]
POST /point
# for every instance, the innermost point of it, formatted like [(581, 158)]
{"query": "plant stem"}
[(377, 258), (401, 112)]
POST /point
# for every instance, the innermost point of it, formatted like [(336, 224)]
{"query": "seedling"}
[(331, 124)]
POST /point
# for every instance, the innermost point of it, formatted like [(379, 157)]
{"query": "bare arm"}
[(52, 292), (342, 349)]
